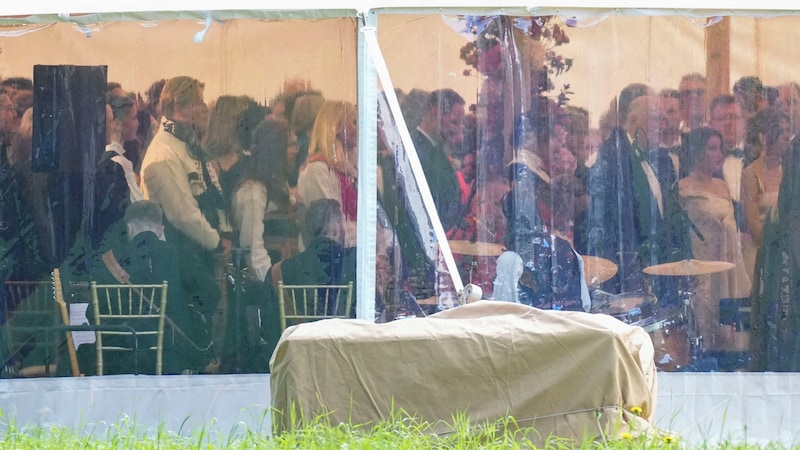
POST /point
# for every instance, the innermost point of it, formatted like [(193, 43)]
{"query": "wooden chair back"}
[(29, 310), (141, 306), (307, 303), (62, 307)]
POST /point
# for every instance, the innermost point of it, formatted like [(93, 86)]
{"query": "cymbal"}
[(428, 301), (476, 248), (597, 270), (688, 267)]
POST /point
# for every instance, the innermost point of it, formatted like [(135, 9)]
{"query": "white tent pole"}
[(366, 225), (427, 199)]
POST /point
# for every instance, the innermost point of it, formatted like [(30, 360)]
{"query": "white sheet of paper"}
[(77, 316)]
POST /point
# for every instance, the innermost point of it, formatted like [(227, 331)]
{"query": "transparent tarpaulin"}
[(572, 162), (626, 165), (224, 157)]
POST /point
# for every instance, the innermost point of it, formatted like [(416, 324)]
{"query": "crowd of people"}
[(232, 186), (668, 176)]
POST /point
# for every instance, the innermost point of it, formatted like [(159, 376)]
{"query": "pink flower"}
[(490, 61)]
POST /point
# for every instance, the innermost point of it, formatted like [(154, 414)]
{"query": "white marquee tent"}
[(241, 48)]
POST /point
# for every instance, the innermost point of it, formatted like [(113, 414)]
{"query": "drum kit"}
[(473, 249), (676, 339)]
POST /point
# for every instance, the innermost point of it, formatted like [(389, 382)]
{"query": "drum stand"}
[(687, 269), (686, 293), (473, 263)]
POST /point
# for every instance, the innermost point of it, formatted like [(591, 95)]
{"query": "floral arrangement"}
[(486, 53)]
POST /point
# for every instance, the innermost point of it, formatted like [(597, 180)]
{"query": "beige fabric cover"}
[(550, 370)]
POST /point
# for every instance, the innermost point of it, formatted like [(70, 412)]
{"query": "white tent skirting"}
[(755, 408)]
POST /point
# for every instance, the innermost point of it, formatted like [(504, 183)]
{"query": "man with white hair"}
[(324, 261), (632, 220)]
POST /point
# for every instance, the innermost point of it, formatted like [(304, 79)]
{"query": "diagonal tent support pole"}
[(419, 176)]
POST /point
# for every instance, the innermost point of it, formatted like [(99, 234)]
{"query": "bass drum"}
[(670, 341), (628, 307)]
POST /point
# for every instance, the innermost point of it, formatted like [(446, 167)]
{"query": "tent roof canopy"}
[(138, 9)]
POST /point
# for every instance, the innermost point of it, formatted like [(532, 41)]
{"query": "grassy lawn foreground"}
[(399, 432)]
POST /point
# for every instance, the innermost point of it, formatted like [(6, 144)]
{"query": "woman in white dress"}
[(707, 201)]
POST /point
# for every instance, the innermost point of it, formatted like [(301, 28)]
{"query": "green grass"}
[(401, 431)]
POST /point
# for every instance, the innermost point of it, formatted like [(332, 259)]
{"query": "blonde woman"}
[(330, 170)]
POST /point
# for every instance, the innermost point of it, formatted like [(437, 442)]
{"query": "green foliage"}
[(399, 432)]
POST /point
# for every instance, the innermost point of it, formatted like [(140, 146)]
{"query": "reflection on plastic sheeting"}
[(579, 135)]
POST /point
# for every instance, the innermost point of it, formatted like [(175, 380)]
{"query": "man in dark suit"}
[(148, 259), (632, 221), (115, 183), (727, 118), (441, 125), (667, 155), (692, 89)]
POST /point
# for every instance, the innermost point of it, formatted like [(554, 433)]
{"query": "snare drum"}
[(628, 307), (670, 341)]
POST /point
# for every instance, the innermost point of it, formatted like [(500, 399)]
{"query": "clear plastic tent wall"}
[(647, 160), (66, 194), (633, 165)]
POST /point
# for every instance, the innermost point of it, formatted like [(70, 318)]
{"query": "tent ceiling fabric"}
[(220, 60), (404, 37), (93, 17), (330, 8)]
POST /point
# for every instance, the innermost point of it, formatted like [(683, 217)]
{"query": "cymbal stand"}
[(685, 293), (473, 263)]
